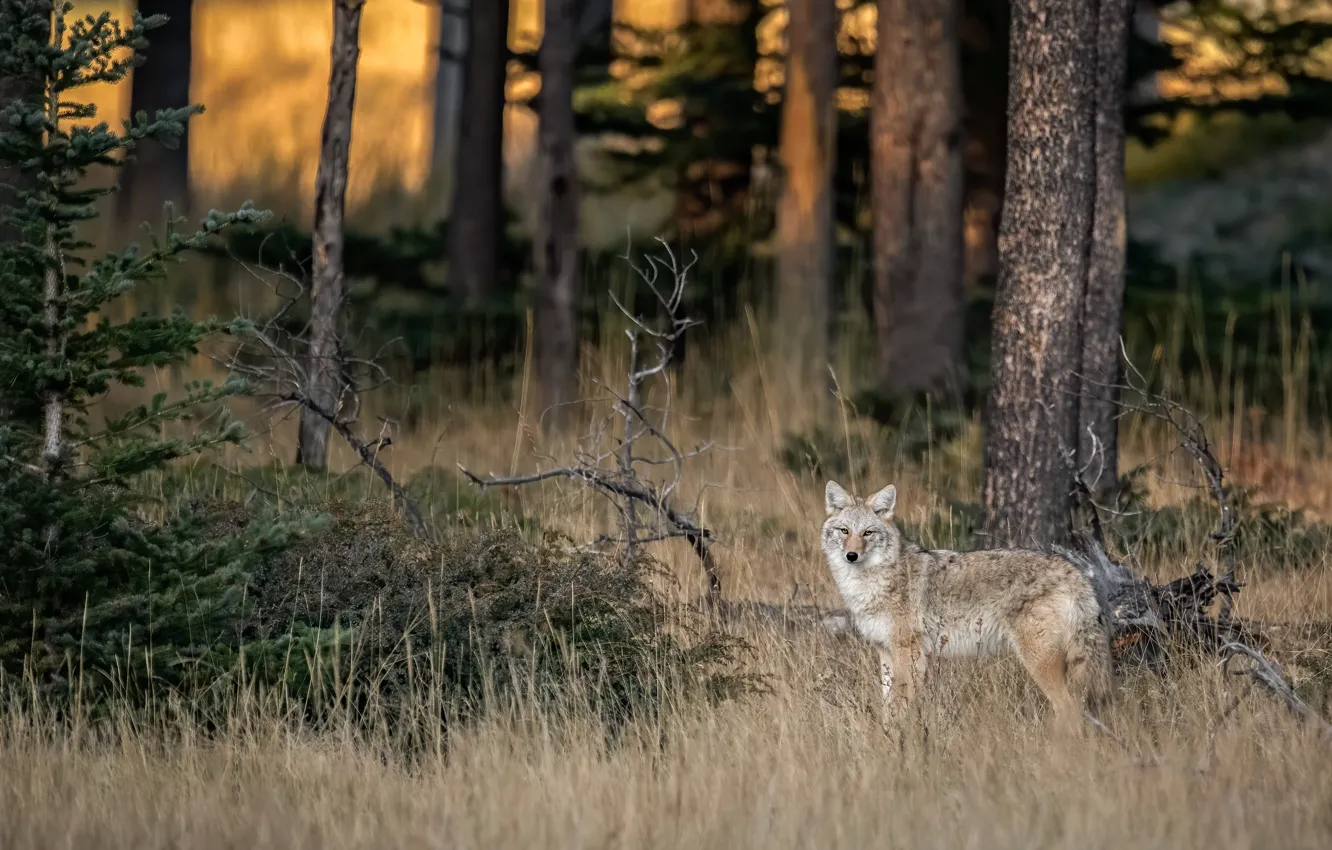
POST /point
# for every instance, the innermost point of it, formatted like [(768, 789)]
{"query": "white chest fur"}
[(865, 601)]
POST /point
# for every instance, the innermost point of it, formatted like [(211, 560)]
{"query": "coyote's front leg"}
[(911, 667)]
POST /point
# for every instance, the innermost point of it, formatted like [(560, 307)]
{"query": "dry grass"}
[(805, 764)]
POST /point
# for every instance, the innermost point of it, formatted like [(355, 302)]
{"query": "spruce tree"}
[(87, 583)]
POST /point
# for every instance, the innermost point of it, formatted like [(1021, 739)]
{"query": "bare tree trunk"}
[(1103, 301), (156, 174), (916, 162), (806, 234), (325, 370), (476, 225), (1044, 240), (450, 77), (556, 244)]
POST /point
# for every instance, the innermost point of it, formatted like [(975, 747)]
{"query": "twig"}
[(1265, 673)]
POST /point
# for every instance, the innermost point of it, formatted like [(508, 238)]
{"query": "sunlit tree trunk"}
[(806, 235)]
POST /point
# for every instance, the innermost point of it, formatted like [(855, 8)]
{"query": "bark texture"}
[(156, 174), (1044, 240), (917, 196), (325, 369), (805, 216), (1103, 300), (476, 226), (556, 243)]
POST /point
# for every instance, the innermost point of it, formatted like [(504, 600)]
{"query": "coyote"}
[(915, 603)]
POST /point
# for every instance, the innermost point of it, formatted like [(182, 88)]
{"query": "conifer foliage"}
[(86, 583)]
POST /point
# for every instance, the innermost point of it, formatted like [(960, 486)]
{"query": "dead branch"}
[(279, 366), (611, 465), (1266, 675)]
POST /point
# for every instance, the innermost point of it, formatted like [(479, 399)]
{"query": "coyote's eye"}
[(869, 532), (843, 531)]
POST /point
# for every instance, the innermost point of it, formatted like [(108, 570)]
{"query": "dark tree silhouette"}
[(1103, 299), (556, 244), (476, 225), (157, 173)]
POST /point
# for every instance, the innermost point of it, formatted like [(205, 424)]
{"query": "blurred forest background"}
[(679, 107)]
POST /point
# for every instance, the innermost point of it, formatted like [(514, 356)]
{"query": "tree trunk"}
[(155, 174), (1044, 240), (325, 367), (917, 195), (450, 75), (476, 226), (806, 228), (1103, 301), (556, 244)]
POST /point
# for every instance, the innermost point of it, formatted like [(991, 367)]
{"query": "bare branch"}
[(645, 508)]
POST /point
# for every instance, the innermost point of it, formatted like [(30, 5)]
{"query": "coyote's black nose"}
[(851, 556)]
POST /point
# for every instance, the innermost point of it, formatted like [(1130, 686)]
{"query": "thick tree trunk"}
[(325, 367), (476, 226), (556, 243), (917, 196), (1103, 301), (155, 174), (806, 234), (1044, 240), (450, 74)]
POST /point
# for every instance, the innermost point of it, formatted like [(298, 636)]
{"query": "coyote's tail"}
[(1088, 661)]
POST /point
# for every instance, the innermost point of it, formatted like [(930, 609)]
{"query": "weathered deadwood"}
[(647, 508)]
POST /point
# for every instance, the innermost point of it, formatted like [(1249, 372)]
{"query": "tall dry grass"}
[(803, 763)]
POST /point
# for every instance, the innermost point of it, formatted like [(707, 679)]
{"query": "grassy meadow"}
[(799, 760), (797, 757)]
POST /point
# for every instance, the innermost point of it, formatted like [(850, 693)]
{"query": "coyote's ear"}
[(835, 498), (883, 502)]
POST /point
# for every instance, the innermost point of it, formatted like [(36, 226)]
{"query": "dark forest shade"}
[(1044, 241)]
